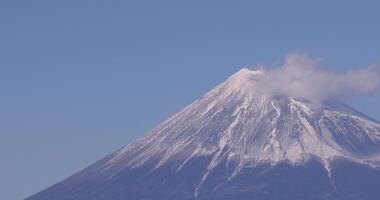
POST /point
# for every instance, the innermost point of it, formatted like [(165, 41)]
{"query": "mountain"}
[(235, 143)]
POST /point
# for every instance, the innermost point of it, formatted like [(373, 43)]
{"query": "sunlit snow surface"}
[(237, 123), (237, 143)]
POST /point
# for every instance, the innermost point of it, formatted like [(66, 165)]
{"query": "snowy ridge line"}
[(234, 121)]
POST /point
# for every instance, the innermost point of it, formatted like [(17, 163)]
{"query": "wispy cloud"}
[(302, 77)]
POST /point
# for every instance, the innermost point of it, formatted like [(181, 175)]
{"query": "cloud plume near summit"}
[(301, 76)]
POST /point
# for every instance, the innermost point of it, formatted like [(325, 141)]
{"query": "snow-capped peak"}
[(244, 80), (234, 123), (248, 73)]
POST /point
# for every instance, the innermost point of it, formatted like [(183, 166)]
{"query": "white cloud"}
[(302, 77)]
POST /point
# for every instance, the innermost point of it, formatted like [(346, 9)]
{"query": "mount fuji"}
[(236, 143)]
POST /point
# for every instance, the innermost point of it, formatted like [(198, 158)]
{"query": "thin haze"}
[(302, 76)]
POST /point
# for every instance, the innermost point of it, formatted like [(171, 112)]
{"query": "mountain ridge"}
[(238, 83), (231, 130)]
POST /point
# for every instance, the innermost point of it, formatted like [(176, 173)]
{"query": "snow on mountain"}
[(238, 143), (236, 122)]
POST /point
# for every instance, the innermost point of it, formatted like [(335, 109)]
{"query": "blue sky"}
[(79, 79)]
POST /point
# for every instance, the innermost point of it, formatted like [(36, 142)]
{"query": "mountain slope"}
[(237, 143)]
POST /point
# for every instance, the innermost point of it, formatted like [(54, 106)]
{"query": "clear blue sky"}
[(79, 79)]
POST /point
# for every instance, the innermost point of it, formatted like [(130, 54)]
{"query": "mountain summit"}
[(239, 143)]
